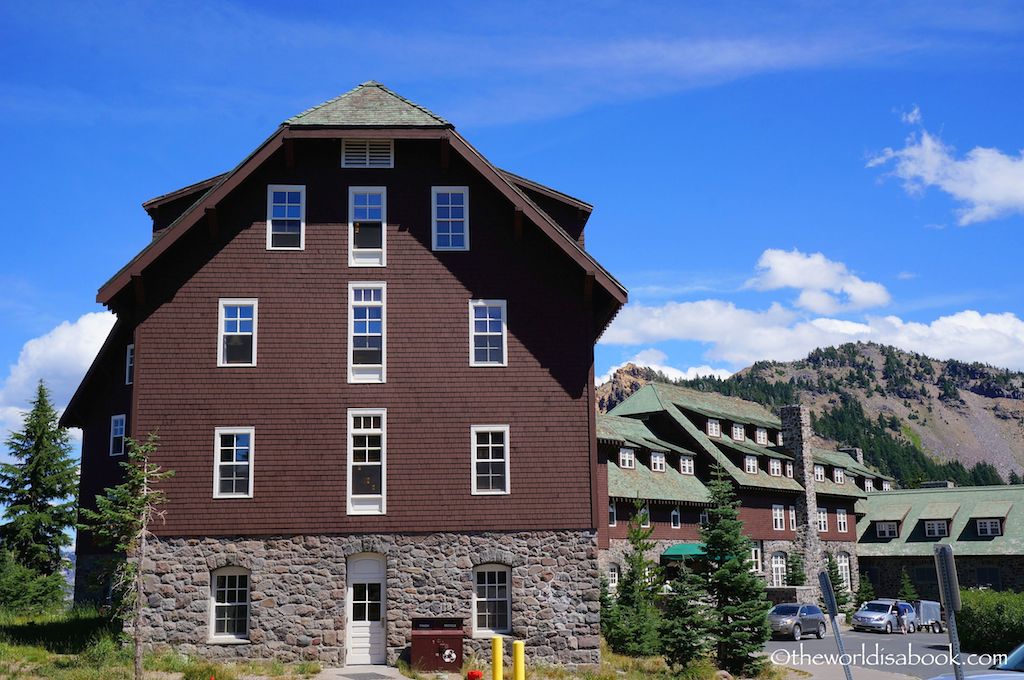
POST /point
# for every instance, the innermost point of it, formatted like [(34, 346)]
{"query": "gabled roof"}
[(369, 104), (642, 482), (715, 405)]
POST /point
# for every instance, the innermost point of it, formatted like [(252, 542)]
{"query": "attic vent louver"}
[(367, 153)]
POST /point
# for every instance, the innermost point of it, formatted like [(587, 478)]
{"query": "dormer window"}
[(714, 428), (886, 486), (367, 223), (686, 465), (750, 464), (936, 528), (368, 153), (869, 485), (775, 467), (789, 470), (657, 461), (990, 527), (838, 476), (761, 436), (887, 529), (778, 439), (737, 432), (627, 458), (819, 473)]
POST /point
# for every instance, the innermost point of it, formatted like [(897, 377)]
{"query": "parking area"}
[(921, 655)]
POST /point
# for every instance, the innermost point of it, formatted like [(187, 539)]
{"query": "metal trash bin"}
[(437, 644)]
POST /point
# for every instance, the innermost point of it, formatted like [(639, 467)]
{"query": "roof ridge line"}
[(369, 83)]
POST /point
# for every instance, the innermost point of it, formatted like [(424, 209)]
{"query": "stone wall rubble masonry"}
[(298, 591)]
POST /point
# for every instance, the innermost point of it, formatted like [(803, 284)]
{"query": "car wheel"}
[(821, 630), (936, 627), (888, 627), (797, 633)]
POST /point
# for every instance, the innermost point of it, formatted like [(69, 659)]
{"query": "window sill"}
[(228, 641), (487, 635)]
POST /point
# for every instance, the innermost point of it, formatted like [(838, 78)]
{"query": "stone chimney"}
[(853, 451), (796, 437)]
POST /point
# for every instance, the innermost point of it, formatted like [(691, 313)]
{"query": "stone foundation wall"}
[(298, 591), (93, 578)]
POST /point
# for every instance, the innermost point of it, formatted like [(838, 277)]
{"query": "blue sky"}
[(765, 180)]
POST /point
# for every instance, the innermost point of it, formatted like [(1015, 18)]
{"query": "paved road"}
[(913, 655)]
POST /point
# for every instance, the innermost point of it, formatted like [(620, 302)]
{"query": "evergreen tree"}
[(636, 618), (122, 519), (838, 584), (1014, 478), (907, 591), (795, 575), (38, 489), (23, 591), (738, 621), (609, 611), (685, 616), (865, 591)]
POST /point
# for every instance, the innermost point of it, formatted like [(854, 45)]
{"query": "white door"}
[(366, 599)]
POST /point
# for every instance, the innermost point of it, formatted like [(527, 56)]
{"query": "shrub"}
[(204, 670), (990, 621), (23, 591)]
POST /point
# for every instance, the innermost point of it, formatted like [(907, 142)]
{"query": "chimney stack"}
[(854, 452), (796, 438)]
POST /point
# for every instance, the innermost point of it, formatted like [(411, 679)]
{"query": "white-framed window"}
[(843, 560), (778, 569), (789, 470), (236, 344), (714, 428), (842, 525), (792, 518), (613, 514), (627, 458), (286, 217), (887, 529), (869, 485), (778, 517), (449, 210), (775, 467), (492, 600), (117, 435), (819, 473), (367, 461), (778, 439), (488, 332), (755, 558), (990, 527), (886, 485), (233, 462), (229, 604), (676, 518), (645, 516), (936, 528), (704, 518), (761, 436), (490, 459), (838, 475), (367, 332), (368, 153), (738, 432), (750, 465), (129, 364), (657, 461), (686, 465), (367, 226), (822, 520), (613, 576)]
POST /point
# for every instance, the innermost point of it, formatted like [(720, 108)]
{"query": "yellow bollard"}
[(518, 660), (497, 659)]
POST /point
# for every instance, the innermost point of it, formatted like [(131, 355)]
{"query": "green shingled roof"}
[(369, 105), (830, 488), (748, 447), (974, 502), (715, 405), (846, 461), (642, 482)]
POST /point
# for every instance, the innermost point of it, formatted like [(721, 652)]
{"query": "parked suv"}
[(793, 620), (880, 615)]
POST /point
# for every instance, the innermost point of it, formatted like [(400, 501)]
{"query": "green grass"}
[(913, 437)]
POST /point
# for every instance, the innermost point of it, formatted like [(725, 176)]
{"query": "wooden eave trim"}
[(67, 418), (557, 195), (184, 191)]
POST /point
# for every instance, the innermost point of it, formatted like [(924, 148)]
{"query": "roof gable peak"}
[(369, 104)]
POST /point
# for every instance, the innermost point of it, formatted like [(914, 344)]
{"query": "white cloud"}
[(906, 276), (988, 182), (656, 359), (912, 117), (60, 357), (825, 286)]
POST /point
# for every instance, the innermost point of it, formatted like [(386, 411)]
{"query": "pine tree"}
[(634, 630), (838, 584), (907, 591), (122, 519), (738, 621), (685, 616), (38, 489), (865, 590), (795, 575), (1014, 478)]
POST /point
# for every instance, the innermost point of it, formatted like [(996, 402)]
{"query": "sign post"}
[(949, 588), (833, 612)]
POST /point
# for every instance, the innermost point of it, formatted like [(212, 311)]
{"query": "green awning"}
[(681, 551)]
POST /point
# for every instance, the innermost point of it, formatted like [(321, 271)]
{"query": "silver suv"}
[(880, 615), (793, 620)]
